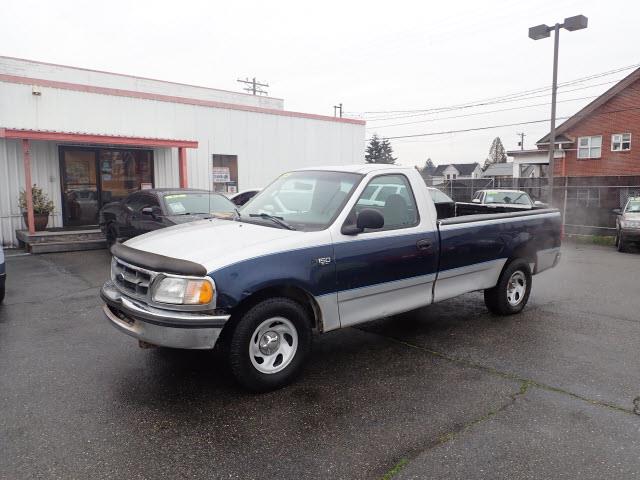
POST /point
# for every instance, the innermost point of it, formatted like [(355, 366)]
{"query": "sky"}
[(386, 62)]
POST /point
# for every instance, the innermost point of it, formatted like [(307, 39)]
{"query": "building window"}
[(451, 176), (620, 142), (590, 147), (588, 197)]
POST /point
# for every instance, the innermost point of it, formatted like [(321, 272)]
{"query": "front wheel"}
[(620, 245), (111, 235), (511, 294), (269, 344)]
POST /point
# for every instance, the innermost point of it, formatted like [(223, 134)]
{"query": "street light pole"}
[(543, 31), (554, 92)]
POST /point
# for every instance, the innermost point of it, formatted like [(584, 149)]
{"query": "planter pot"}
[(40, 220)]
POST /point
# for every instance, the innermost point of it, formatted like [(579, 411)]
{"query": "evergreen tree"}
[(379, 151), (497, 153)]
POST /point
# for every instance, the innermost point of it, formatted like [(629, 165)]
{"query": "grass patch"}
[(606, 240), (395, 470)]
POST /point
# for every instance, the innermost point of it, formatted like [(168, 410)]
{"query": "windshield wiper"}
[(279, 220)]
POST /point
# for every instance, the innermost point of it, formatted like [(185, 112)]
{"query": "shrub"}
[(41, 202)]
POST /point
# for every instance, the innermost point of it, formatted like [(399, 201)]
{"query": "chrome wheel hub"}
[(273, 345), (516, 288), (269, 343)]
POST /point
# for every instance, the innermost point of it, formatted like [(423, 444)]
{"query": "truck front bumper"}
[(167, 328)]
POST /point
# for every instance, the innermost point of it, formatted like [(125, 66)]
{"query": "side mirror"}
[(367, 218), (154, 212), (538, 203), (616, 211), (475, 200)]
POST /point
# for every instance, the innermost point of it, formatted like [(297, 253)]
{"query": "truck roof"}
[(362, 168)]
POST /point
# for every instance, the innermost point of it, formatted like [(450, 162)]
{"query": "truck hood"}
[(215, 243)]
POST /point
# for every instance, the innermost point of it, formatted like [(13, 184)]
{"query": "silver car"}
[(628, 224)]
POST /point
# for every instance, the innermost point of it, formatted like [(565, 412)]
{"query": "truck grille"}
[(131, 280)]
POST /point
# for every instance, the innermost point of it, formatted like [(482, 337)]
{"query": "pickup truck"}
[(307, 255)]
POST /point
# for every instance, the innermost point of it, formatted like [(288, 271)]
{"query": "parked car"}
[(485, 201), (260, 284), (628, 224), (153, 209), (445, 206), (244, 196), (3, 274)]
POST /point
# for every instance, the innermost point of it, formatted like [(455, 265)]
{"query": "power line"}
[(479, 113), (446, 132), (511, 95), (397, 117)]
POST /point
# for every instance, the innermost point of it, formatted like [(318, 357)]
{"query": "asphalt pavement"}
[(449, 391)]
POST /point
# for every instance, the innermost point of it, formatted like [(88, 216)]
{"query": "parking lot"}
[(447, 392)]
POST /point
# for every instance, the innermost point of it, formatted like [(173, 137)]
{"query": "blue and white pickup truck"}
[(312, 252)]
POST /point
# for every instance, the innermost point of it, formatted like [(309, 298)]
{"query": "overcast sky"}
[(371, 56)]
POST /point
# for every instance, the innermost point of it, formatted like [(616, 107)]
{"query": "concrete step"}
[(67, 246), (59, 236)]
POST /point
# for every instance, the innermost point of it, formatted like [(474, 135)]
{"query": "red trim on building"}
[(182, 167), (168, 98), (28, 193), (93, 139)]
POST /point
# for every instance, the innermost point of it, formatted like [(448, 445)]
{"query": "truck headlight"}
[(183, 291), (630, 224)]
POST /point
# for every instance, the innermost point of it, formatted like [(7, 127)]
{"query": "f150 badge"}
[(324, 261)]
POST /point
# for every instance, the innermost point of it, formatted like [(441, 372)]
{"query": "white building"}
[(88, 137), (457, 171)]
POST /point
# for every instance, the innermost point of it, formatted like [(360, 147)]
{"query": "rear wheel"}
[(269, 344), (1, 292), (511, 294)]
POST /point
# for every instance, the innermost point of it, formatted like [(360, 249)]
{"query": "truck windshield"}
[(514, 197), (305, 200)]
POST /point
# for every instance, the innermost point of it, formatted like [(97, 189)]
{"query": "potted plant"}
[(42, 207)]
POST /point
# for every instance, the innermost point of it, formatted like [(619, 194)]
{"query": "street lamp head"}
[(538, 32), (575, 23)]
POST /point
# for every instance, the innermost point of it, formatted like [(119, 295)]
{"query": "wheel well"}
[(526, 252), (296, 294)]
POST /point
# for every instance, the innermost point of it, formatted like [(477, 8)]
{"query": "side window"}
[(134, 201), (148, 201), (395, 201)]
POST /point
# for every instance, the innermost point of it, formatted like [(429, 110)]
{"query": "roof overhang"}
[(95, 139)]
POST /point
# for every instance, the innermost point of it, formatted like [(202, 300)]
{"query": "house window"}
[(620, 142), (589, 197), (590, 147), (451, 176)]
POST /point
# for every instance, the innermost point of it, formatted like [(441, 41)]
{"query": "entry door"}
[(80, 193), (386, 271)]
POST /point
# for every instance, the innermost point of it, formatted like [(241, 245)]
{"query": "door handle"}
[(424, 244)]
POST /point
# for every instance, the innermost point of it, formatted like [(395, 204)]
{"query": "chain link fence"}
[(586, 202)]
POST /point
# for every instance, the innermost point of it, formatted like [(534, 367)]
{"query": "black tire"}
[(1, 292), (240, 338), (497, 298), (620, 245), (111, 235)]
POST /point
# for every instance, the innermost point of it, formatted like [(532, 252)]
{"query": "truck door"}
[(389, 270)]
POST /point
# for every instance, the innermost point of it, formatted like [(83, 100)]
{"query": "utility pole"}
[(253, 86), (521, 142), (336, 108)]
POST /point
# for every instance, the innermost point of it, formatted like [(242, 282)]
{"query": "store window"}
[(91, 177), (224, 173)]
